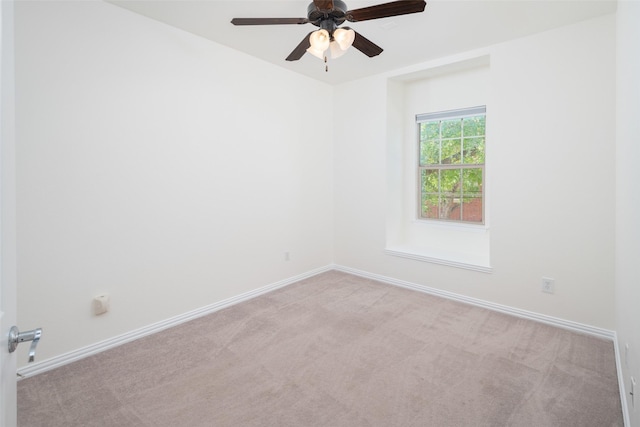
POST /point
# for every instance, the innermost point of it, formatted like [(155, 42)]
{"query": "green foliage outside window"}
[(452, 156)]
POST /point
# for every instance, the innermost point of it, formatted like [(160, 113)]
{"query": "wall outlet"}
[(287, 256), (548, 285), (632, 392)]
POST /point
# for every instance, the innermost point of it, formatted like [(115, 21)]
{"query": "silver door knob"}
[(16, 337)]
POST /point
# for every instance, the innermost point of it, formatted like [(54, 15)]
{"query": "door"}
[(7, 217)]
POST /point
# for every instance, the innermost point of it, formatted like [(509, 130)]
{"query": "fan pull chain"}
[(326, 66)]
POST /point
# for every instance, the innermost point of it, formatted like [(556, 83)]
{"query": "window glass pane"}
[(474, 126), (429, 181), (473, 150), (429, 206), (450, 206), (471, 182), (429, 130), (452, 128), (430, 152), (451, 151), (450, 181), (472, 209)]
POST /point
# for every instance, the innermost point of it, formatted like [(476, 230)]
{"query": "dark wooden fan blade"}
[(268, 21), (366, 46), (385, 10), (301, 49), (323, 4)]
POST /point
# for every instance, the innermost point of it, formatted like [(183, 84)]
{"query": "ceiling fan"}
[(328, 15)]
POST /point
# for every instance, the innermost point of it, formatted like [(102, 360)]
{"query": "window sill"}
[(451, 225), (456, 261)]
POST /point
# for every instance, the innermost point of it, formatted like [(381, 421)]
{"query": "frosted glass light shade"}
[(344, 37), (320, 40), (336, 50), (316, 52)]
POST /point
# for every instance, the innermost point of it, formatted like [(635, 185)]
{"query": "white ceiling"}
[(445, 27)]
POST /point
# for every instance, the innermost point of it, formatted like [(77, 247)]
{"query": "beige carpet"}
[(338, 350)]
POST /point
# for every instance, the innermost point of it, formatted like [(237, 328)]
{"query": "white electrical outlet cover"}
[(548, 285), (100, 304)]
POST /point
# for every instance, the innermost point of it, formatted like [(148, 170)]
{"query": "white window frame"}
[(441, 116)]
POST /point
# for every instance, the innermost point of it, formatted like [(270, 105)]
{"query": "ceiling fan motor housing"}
[(327, 19)]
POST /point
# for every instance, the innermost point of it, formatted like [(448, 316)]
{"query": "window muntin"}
[(451, 161)]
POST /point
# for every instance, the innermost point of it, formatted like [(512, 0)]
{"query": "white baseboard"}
[(64, 359), (553, 321), (621, 383)]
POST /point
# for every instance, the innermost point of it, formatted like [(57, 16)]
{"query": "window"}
[(451, 165)]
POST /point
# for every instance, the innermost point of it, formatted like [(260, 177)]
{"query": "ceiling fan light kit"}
[(328, 15), (337, 43)]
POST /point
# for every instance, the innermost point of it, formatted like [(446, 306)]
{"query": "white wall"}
[(551, 160), (628, 197), (158, 167)]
